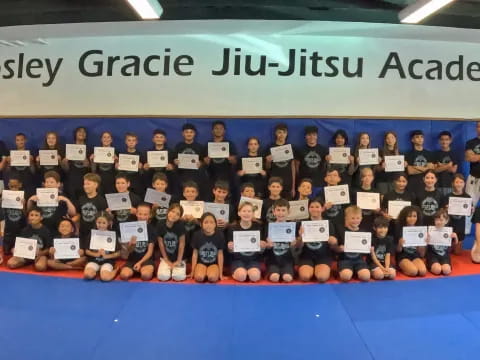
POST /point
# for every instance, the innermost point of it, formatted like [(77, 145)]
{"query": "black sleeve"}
[(196, 239), (229, 234), (3, 149), (233, 148), (48, 238), (476, 216)]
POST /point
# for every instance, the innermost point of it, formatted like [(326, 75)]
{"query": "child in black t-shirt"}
[(275, 187), (190, 193), (245, 265), (14, 219), (140, 253), (331, 211), (208, 244), (26, 174), (316, 257), (429, 198), (280, 259), (366, 186), (382, 249), (66, 230), (101, 260), (34, 230), (304, 190), (446, 164), (409, 258), (51, 142), (220, 194), (438, 256), (135, 177), (418, 160), (345, 171), (351, 263), (399, 193), (106, 171), (160, 184), (171, 241), (258, 180)]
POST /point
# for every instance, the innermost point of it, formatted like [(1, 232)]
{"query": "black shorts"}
[(325, 260), (282, 269), (237, 264), (129, 264), (403, 255), (434, 258), (8, 244), (350, 264)]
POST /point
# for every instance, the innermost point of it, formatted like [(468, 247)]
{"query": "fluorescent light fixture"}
[(147, 9), (419, 10)]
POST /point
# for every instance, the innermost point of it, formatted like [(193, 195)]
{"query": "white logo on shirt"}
[(429, 206), (312, 159), (208, 253), (280, 248), (170, 240), (89, 211)]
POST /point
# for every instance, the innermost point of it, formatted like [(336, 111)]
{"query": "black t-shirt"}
[(406, 250), (57, 168), (318, 250), (171, 238), (208, 246), (149, 174), (474, 145), (476, 216), (342, 170), (382, 247), (395, 196), (368, 216), (280, 253), (267, 211), (258, 181), (124, 215), (341, 229), (193, 148), (445, 177), (53, 214), (107, 174), (101, 260), (418, 158), (221, 168), (429, 202), (312, 163), (141, 247), (15, 221), (42, 235), (135, 177), (457, 222), (88, 209), (282, 169), (336, 212), (381, 176), (245, 256)]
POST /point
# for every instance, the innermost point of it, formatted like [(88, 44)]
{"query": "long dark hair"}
[(407, 210)]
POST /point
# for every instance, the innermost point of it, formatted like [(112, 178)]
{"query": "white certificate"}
[(194, 208), (257, 205), (339, 155), (246, 241), (157, 159), (414, 236), (357, 242), (459, 206), (315, 231), (25, 248), (103, 155), (281, 231), (337, 195), (218, 150), (118, 201), (127, 162), (298, 210), (395, 206), (66, 248), (153, 196), (221, 211), (48, 157), (252, 165), (368, 156), (20, 157), (394, 163), (133, 228), (188, 161), (103, 240), (47, 197), (440, 237), (368, 200), (12, 199), (76, 152), (281, 153)]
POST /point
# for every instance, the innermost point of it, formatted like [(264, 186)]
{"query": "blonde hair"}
[(352, 210)]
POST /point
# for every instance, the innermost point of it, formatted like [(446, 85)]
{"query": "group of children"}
[(179, 243)]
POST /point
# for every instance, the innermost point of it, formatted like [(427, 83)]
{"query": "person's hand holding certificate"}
[(357, 242), (337, 195), (368, 156), (188, 161), (298, 210), (133, 228), (315, 231), (414, 236), (127, 162), (282, 153), (281, 231), (105, 240), (440, 237), (48, 157), (20, 157), (25, 248), (75, 152), (66, 248), (221, 211), (218, 150), (252, 165), (193, 208), (47, 197), (394, 163), (339, 155), (12, 199), (395, 206), (257, 205), (459, 206), (153, 196), (157, 159), (103, 155), (118, 201), (368, 200), (246, 241)]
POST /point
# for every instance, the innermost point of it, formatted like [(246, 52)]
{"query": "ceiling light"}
[(419, 10), (147, 9)]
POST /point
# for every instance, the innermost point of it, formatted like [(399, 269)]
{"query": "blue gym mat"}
[(58, 318)]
